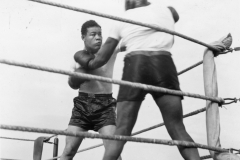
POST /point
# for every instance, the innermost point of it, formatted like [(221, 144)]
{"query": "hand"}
[(83, 57), (222, 44)]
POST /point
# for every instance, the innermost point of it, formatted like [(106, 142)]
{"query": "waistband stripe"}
[(148, 53)]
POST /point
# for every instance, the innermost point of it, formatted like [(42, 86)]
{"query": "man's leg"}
[(171, 109), (72, 143), (108, 130), (127, 112)]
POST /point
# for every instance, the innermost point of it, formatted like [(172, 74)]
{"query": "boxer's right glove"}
[(75, 82), (83, 58)]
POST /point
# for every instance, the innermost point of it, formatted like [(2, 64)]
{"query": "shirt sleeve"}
[(115, 31)]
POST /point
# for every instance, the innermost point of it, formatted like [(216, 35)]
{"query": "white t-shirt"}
[(136, 37)]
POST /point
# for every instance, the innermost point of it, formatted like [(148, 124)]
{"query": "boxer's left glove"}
[(83, 58)]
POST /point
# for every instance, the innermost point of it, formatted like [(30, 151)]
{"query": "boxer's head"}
[(92, 36), (131, 4)]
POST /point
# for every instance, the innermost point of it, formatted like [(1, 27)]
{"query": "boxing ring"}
[(211, 99)]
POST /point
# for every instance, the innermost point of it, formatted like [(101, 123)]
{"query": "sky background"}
[(49, 36)]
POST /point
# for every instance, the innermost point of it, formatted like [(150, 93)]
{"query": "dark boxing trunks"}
[(148, 67), (92, 112)]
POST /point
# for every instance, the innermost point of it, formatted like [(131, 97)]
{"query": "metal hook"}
[(232, 100), (231, 50)]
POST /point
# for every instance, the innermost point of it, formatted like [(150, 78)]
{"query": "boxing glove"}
[(83, 57), (174, 14), (75, 82)]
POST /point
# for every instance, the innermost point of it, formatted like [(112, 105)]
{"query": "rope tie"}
[(233, 149), (234, 49), (47, 139), (232, 100)]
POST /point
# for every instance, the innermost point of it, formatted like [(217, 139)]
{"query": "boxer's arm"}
[(83, 57), (104, 54)]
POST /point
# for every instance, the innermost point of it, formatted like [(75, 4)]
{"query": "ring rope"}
[(20, 139), (204, 157), (99, 145), (109, 80), (115, 137), (138, 23), (125, 20), (8, 159), (162, 124), (191, 67), (147, 129), (138, 132), (200, 62)]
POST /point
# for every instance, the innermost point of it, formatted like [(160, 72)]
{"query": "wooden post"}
[(55, 147)]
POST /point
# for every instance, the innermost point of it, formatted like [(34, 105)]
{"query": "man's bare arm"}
[(104, 54)]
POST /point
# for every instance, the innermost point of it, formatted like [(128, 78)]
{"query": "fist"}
[(83, 57), (75, 82)]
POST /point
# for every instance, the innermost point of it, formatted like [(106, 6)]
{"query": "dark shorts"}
[(148, 67), (92, 112)]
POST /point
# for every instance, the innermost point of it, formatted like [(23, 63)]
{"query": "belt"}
[(94, 95)]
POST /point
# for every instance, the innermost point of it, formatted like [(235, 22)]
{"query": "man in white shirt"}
[(148, 60)]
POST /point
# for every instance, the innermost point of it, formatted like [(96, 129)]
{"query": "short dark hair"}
[(88, 24)]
